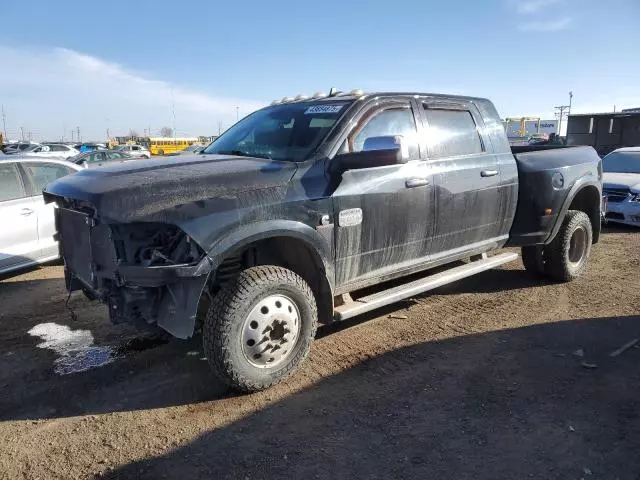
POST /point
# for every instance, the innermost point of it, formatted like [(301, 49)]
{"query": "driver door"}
[(383, 215)]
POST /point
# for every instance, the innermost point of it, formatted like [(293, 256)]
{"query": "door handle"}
[(488, 173), (416, 182), (26, 212)]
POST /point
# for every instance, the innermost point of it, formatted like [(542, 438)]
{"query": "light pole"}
[(22, 133), (570, 101), (4, 123)]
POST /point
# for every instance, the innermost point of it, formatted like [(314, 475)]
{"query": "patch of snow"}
[(75, 348)]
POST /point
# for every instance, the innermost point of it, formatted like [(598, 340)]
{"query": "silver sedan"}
[(26, 222)]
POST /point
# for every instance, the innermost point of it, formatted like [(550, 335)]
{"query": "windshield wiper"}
[(242, 153)]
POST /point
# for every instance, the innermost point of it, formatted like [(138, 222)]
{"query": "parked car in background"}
[(190, 150), (13, 148), (99, 158), (52, 150), (30, 239), (137, 151), (622, 185), (89, 147)]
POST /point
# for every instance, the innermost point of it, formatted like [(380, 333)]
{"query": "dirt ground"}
[(494, 377)]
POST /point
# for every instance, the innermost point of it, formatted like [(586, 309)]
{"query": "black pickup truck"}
[(286, 217)]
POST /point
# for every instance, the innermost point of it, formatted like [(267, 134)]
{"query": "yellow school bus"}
[(165, 145)]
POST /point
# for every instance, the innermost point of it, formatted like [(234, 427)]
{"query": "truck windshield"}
[(282, 132), (622, 162)]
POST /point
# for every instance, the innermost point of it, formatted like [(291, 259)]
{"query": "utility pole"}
[(570, 101), (4, 124), (560, 114), (173, 113)]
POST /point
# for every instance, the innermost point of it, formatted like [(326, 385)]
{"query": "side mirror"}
[(376, 152), (387, 142)]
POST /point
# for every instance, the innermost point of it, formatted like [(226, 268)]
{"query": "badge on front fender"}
[(350, 217)]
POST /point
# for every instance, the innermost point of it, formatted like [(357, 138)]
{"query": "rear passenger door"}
[(38, 176), (19, 233), (466, 176)]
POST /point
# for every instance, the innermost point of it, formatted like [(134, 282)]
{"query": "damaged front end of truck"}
[(147, 273)]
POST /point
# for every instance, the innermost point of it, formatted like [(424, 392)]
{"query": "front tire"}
[(259, 328), (568, 254)]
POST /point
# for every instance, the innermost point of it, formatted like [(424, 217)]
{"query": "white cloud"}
[(51, 91), (546, 25), (528, 7)]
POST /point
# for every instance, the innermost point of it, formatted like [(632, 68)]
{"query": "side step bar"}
[(395, 294)]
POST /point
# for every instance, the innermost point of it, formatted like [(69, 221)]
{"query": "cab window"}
[(451, 133), (389, 122)]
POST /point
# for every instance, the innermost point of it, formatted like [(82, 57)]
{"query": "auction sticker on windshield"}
[(323, 109)]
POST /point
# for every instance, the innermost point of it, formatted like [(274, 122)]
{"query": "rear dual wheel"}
[(259, 328), (567, 256)]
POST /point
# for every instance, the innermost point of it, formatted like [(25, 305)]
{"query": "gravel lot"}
[(496, 377)]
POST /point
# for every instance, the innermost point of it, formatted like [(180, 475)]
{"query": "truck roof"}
[(363, 95)]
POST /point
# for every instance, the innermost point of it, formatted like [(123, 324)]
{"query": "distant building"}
[(526, 127), (605, 131)]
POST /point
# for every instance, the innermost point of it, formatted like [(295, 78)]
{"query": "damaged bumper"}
[(145, 273)]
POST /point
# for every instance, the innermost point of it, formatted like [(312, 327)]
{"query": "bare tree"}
[(166, 132), (133, 133)]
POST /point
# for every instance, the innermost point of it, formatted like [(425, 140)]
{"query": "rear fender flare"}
[(579, 185)]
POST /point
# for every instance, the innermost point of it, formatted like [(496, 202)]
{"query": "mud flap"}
[(179, 306)]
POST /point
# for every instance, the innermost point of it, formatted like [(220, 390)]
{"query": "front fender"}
[(319, 241)]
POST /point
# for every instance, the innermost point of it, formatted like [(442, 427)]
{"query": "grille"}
[(616, 195)]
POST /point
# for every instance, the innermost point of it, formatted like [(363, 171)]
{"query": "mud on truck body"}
[(286, 217)]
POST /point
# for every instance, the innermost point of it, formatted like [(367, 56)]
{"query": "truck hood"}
[(622, 180), (172, 189)]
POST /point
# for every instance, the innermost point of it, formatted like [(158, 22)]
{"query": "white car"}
[(19, 147), (52, 150), (621, 185), (137, 151), (28, 223)]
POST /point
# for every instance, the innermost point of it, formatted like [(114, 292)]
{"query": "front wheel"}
[(259, 328), (566, 257)]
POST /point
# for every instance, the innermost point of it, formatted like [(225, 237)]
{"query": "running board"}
[(395, 294)]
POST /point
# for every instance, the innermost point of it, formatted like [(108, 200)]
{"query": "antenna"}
[(333, 91)]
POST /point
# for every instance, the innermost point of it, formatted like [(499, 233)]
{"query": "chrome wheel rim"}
[(577, 245), (270, 331)]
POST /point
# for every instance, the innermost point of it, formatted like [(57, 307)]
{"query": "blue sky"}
[(120, 65)]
